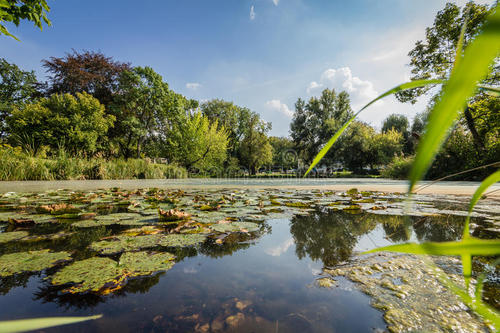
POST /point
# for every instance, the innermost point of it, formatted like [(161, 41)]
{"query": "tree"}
[(142, 104), (199, 144), (284, 154), (434, 57), (60, 121), (385, 146), (318, 120), (16, 10), (234, 118), (255, 149), (399, 123), (16, 86), (90, 72)]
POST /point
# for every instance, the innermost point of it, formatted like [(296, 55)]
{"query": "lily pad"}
[(126, 243), (173, 215), (31, 261), (103, 275), (235, 227), (12, 236)]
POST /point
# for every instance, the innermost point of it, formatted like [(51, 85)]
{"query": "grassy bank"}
[(17, 165)]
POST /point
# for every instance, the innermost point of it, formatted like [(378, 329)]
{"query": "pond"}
[(223, 260)]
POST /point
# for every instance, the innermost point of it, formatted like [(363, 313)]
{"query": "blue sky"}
[(262, 54)]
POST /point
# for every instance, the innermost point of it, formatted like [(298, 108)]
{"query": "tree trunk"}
[(478, 142)]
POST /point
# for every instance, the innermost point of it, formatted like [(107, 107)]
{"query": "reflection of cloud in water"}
[(190, 270), (280, 249)]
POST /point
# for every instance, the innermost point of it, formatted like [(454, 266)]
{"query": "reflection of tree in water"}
[(329, 236), (438, 228), (13, 281), (53, 294), (396, 228)]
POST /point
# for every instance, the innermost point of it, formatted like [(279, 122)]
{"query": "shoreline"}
[(460, 188)]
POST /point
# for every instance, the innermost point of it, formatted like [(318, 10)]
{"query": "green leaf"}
[(461, 85), (333, 139), (468, 246), (24, 325)]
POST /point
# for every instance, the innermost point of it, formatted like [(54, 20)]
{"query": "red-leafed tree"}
[(88, 71)]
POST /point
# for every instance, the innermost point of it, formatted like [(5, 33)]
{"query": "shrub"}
[(399, 168)]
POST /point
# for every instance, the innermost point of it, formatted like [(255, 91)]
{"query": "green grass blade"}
[(494, 91), (462, 84), (485, 184), (333, 139), (485, 311), (469, 246), (24, 325)]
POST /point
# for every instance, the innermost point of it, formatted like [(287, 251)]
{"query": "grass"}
[(17, 165)]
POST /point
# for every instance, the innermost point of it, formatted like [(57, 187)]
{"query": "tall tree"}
[(199, 144), (317, 120), (234, 118), (88, 71), (16, 10), (16, 86), (255, 150), (433, 57), (143, 103), (400, 124)]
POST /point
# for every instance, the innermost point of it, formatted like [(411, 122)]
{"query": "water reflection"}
[(332, 236)]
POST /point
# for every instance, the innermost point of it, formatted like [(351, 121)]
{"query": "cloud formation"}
[(276, 105), (360, 91), (252, 13), (276, 2), (193, 85)]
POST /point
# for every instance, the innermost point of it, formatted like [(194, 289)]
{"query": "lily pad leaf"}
[(31, 261)]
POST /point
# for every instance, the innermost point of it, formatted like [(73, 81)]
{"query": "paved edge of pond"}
[(382, 185)]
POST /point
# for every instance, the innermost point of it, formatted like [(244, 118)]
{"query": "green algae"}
[(12, 236), (410, 294), (30, 261), (104, 275), (235, 227)]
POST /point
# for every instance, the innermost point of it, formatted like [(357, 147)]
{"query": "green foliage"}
[(434, 57), (284, 154), (199, 144), (23, 325), (399, 168), (255, 149), (316, 121), (16, 10), (17, 165), (61, 121)]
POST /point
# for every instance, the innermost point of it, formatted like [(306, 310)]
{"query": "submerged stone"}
[(31, 261)]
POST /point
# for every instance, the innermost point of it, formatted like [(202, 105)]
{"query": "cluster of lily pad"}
[(162, 220)]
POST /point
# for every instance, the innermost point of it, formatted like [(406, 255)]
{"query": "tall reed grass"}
[(17, 165)]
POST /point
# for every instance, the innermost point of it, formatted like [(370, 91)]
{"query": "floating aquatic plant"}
[(31, 261)]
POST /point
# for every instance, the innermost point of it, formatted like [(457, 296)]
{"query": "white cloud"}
[(280, 248), (276, 105), (252, 13), (193, 85), (276, 2), (360, 91)]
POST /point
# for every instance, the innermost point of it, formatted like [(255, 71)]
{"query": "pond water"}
[(267, 275)]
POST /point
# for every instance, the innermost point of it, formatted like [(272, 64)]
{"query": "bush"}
[(399, 168)]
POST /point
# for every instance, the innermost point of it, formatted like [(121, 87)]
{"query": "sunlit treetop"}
[(16, 10)]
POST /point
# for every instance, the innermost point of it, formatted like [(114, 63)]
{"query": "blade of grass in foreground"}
[(485, 184), (462, 84), (24, 325), (333, 139), (468, 246)]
